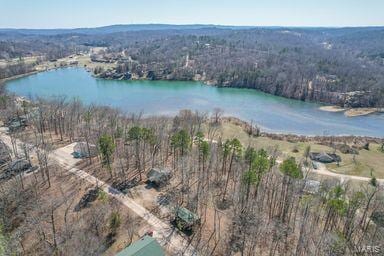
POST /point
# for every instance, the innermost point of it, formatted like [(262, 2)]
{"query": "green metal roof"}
[(146, 246), (186, 215)]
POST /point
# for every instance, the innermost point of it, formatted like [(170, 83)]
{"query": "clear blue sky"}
[(91, 13)]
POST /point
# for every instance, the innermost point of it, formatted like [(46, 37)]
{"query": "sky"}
[(94, 13)]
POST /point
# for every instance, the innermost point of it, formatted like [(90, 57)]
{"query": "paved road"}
[(164, 233), (323, 170)]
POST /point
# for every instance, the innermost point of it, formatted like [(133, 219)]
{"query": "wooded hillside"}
[(340, 66)]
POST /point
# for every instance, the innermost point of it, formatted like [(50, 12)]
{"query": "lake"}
[(271, 113)]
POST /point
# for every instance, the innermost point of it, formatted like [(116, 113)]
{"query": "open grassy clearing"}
[(26, 60), (85, 61), (81, 60), (364, 162)]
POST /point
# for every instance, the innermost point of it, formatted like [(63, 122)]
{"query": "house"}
[(146, 246), (81, 150), (324, 157), (16, 123), (159, 177), (16, 167), (19, 165), (185, 220), (73, 62)]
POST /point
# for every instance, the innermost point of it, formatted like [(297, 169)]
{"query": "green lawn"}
[(362, 166), (365, 161)]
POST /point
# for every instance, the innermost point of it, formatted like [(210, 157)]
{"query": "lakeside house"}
[(324, 157), (146, 246)]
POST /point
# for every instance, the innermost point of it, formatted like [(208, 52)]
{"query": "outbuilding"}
[(146, 246), (185, 220)]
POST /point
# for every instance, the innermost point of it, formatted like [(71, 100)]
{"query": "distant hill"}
[(330, 31), (115, 29)]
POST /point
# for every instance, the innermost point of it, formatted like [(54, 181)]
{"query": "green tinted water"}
[(272, 113)]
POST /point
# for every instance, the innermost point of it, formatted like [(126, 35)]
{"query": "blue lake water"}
[(271, 113)]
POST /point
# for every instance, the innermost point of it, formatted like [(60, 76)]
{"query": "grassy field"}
[(365, 161), (26, 60), (85, 60)]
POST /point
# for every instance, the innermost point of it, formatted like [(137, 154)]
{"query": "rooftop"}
[(146, 246), (186, 215), (158, 175)]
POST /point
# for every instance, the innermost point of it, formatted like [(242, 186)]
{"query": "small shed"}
[(185, 220), (324, 157), (159, 177), (146, 246), (80, 150)]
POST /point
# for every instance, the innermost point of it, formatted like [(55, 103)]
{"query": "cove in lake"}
[(271, 113)]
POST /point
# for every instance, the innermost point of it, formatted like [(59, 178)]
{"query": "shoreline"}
[(37, 71), (20, 76), (332, 109), (351, 112), (362, 111), (256, 130), (297, 137)]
